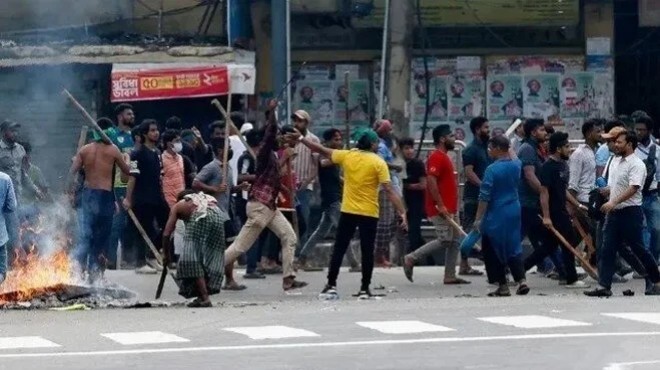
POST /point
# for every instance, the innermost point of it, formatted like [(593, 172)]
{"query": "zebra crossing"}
[(395, 328)]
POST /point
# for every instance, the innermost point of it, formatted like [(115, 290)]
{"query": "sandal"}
[(502, 291), (470, 272), (295, 284), (234, 287), (199, 304), (523, 289), (457, 281)]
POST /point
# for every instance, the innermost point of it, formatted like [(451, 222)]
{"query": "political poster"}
[(504, 97), (541, 95)]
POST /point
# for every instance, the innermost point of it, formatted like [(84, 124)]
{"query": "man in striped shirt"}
[(305, 167)]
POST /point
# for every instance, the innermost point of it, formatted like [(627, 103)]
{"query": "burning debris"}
[(43, 274)]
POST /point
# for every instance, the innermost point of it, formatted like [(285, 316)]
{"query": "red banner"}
[(136, 85)]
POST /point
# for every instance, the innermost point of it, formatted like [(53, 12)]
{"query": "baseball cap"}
[(303, 115), (614, 132), (247, 126), (8, 125)]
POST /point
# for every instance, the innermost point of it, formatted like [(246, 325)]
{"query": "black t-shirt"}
[(475, 155), (415, 171), (146, 167), (554, 176), (330, 180)]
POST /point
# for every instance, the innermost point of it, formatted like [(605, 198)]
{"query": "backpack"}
[(651, 167)]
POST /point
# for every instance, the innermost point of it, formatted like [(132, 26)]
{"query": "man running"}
[(261, 207), (97, 206), (364, 173)]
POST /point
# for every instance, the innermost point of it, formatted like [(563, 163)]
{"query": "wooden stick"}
[(229, 122), (585, 237), (90, 120), (458, 228), (82, 139), (161, 282), (583, 262), (225, 151), (347, 116), (145, 237)]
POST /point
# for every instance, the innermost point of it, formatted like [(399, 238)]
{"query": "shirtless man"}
[(97, 205)]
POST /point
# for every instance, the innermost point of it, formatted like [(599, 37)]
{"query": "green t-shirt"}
[(124, 141)]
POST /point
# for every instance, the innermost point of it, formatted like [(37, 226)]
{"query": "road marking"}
[(629, 365), (261, 347), (649, 317), (144, 337), (532, 321), (272, 332), (26, 342), (403, 327)]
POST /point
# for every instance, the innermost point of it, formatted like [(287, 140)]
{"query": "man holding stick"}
[(625, 218), (261, 208), (97, 206), (441, 206), (554, 202)]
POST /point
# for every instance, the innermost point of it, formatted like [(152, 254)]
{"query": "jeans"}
[(651, 208), (345, 230), (329, 218), (304, 198), (120, 230), (94, 224), (624, 227)]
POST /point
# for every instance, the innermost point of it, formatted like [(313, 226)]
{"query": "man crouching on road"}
[(200, 267)]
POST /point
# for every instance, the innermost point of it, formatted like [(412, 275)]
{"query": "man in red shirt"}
[(441, 203)]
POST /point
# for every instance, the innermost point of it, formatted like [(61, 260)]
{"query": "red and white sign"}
[(136, 82)]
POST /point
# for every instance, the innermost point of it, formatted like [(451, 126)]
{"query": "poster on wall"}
[(541, 95), (316, 97), (577, 94), (438, 102), (466, 96), (534, 64), (358, 103), (504, 97)]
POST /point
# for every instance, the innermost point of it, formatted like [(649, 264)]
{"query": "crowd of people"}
[(245, 194)]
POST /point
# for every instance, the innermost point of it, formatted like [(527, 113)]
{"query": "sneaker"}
[(599, 292), (577, 285), (329, 293), (364, 294), (655, 290), (146, 270)]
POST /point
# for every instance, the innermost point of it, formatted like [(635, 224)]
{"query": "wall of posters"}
[(466, 96), (317, 98)]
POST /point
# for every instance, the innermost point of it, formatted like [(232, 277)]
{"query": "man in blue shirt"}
[(8, 202)]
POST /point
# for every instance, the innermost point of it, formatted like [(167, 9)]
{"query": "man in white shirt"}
[(625, 218), (649, 152)]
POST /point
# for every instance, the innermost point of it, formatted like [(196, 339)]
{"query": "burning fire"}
[(32, 272)]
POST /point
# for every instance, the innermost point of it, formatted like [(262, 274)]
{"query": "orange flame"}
[(32, 273)]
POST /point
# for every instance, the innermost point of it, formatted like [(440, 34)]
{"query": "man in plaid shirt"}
[(261, 208)]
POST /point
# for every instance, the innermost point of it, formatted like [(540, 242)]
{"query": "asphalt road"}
[(417, 326)]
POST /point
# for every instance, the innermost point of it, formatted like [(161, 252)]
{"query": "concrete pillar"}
[(398, 69), (278, 19), (260, 13)]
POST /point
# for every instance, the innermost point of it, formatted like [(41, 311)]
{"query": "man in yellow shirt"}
[(364, 172)]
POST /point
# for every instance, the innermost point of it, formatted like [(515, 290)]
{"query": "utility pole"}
[(401, 25)]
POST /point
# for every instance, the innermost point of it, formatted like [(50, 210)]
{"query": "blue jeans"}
[(329, 218), (651, 208), (94, 224), (304, 200), (624, 227)]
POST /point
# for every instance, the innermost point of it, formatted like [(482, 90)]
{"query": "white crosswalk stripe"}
[(272, 332), (533, 321), (403, 327), (144, 337), (648, 317), (26, 342)]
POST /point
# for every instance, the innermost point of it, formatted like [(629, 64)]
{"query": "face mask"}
[(177, 147)]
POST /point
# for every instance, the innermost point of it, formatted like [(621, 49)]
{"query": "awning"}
[(159, 81)]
